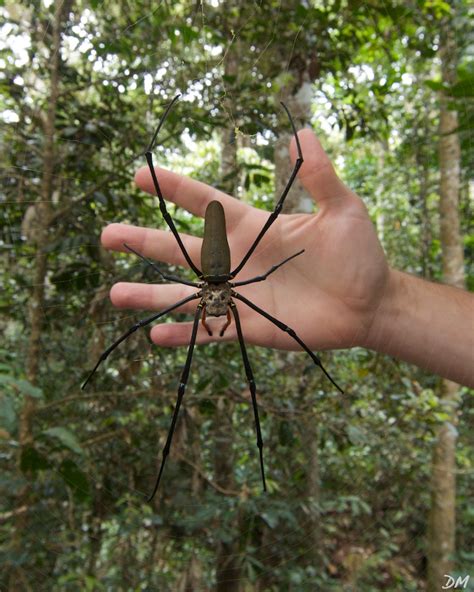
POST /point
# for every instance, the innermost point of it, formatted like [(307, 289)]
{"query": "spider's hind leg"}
[(136, 326), (252, 387), (182, 387), (291, 333)]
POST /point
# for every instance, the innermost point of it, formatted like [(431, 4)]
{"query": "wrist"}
[(426, 324), (387, 315)]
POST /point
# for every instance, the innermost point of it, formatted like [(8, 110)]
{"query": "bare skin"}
[(339, 293)]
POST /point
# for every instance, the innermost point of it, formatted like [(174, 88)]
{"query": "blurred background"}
[(367, 491)]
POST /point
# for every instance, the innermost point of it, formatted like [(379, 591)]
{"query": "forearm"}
[(430, 325)]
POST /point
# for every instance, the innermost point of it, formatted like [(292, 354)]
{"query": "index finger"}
[(192, 195)]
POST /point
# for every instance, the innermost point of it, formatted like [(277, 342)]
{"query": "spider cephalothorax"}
[(215, 290), (216, 299)]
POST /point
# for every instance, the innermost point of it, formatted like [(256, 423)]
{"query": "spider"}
[(216, 290)]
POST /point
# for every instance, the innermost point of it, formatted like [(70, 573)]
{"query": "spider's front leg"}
[(165, 276), (276, 212), (164, 211)]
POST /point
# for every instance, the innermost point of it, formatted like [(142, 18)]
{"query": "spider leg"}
[(290, 332), (260, 278), (274, 215), (135, 327), (164, 211), (181, 389), (165, 276), (253, 390)]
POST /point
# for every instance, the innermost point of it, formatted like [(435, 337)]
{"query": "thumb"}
[(317, 173)]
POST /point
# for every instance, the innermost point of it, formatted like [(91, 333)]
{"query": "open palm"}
[(329, 294)]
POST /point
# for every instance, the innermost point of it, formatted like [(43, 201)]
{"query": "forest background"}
[(368, 490)]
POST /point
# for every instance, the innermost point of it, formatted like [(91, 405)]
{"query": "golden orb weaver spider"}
[(216, 291)]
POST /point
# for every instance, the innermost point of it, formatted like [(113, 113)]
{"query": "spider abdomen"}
[(215, 252)]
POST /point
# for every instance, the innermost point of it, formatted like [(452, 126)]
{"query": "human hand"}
[(329, 295)]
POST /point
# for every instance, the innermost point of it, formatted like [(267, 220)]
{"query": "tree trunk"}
[(425, 223), (41, 236), (441, 532), (42, 214), (228, 568)]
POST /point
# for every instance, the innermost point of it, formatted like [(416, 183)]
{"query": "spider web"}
[(290, 543)]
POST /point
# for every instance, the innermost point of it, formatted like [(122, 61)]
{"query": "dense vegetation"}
[(83, 85)]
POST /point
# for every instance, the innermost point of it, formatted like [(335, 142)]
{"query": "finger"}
[(179, 334), (317, 173), (151, 296), (156, 244), (192, 195)]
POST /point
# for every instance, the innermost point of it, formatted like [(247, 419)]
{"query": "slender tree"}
[(441, 537), (41, 232)]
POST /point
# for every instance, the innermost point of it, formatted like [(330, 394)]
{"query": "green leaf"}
[(32, 460), (7, 414), (188, 33), (93, 584), (66, 437), (436, 85), (462, 89), (270, 518), (75, 479), (22, 385), (356, 435), (285, 433)]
